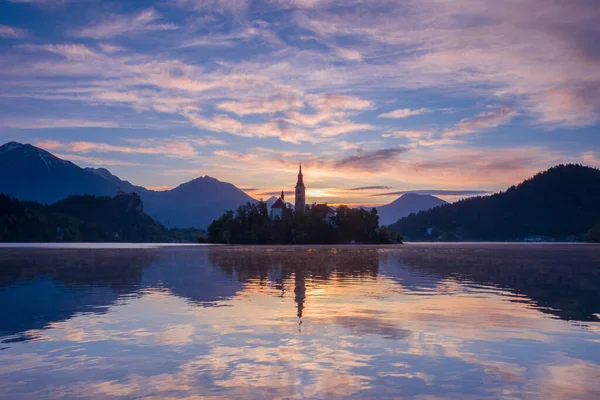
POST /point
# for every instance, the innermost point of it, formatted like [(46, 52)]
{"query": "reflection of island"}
[(278, 264)]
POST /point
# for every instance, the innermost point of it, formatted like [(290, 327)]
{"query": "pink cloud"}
[(8, 32), (483, 121), (405, 113)]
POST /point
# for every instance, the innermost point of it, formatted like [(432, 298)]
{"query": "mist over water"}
[(461, 321)]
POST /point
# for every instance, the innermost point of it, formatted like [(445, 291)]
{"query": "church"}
[(277, 209)]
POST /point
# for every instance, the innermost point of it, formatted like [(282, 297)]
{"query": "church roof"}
[(278, 204), (324, 208)]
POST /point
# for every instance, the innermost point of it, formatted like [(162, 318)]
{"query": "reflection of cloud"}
[(452, 335), (177, 335), (365, 324), (571, 379)]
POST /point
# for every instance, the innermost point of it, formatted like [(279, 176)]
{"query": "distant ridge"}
[(405, 205), (560, 203), (30, 173)]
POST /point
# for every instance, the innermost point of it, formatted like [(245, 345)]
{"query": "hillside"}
[(562, 201), (31, 173), (80, 219), (405, 205), (125, 186), (195, 203)]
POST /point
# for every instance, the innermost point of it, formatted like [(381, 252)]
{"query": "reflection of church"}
[(277, 209)]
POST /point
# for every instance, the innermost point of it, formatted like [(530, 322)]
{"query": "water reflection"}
[(445, 321)]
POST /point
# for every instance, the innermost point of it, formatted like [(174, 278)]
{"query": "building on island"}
[(300, 193), (326, 212), (278, 207)]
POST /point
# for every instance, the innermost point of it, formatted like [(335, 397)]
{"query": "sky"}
[(376, 98)]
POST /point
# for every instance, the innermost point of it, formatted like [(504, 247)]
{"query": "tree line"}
[(562, 203), (84, 218), (251, 224)]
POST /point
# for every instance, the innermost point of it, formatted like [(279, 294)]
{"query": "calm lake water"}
[(425, 321)]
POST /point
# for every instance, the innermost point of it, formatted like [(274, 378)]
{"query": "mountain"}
[(195, 203), (30, 173), (405, 205), (556, 203), (125, 186)]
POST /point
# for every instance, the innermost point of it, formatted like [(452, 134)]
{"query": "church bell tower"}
[(300, 193)]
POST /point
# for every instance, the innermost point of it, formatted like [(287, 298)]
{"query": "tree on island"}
[(251, 224), (593, 235)]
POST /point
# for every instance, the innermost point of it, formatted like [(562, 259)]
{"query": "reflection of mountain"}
[(562, 280), (42, 286), (188, 274)]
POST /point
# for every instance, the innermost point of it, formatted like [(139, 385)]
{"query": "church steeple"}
[(300, 177), (300, 193)]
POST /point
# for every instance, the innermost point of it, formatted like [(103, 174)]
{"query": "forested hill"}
[(81, 219), (562, 201)]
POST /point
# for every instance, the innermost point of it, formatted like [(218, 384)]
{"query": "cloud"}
[(407, 134), (328, 102), (166, 147), (111, 48), (285, 192), (8, 32), (86, 160), (405, 113), (371, 188), (436, 192), (261, 106), (545, 63), (218, 123), (423, 138), (370, 160), (50, 123), (343, 128), (485, 120), (119, 24), (348, 54), (280, 129), (69, 51), (43, 2), (591, 158), (233, 155)]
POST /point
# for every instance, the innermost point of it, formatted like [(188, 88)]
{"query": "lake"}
[(425, 321)]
